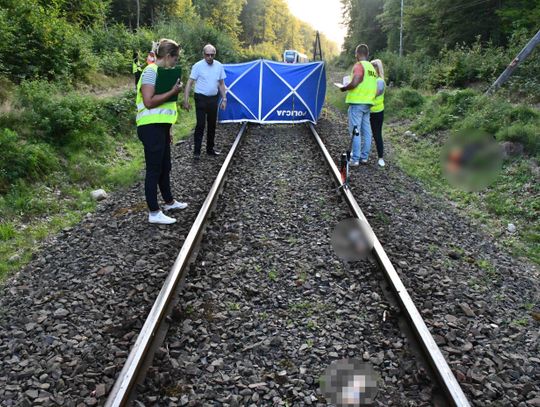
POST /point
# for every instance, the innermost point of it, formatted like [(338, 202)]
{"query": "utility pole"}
[(401, 32), (522, 56), (138, 13), (317, 49)]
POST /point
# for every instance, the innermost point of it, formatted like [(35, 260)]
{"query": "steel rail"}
[(431, 351), (141, 352)]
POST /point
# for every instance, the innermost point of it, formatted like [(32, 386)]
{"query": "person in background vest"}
[(155, 117), (208, 75), (376, 116), (361, 91), (136, 69)]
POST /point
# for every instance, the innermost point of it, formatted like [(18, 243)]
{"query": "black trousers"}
[(206, 111), (137, 75), (376, 120), (157, 155)]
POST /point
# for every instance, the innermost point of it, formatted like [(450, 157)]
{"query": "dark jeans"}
[(376, 120), (157, 155), (206, 110)]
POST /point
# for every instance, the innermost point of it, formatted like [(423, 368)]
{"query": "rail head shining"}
[(127, 379), (431, 351)]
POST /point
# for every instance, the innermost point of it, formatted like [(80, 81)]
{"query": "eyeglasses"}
[(209, 55)]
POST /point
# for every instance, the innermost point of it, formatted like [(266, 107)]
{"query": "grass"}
[(272, 275), (31, 210), (511, 198)]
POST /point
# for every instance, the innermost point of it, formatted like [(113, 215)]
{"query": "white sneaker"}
[(160, 218), (381, 162), (364, 162), (354, 163), (175, 205)]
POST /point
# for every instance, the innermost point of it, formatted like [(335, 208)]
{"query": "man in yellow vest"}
[(361, 91)]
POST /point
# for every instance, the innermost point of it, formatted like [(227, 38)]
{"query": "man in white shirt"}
[(208, 75)]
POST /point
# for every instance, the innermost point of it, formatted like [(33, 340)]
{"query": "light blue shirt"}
[(207, 77)]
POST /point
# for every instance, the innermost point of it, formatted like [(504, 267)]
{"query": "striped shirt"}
[(149, 77)]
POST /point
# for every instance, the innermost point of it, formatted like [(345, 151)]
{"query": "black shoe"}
[(196, 157), (213, 152)]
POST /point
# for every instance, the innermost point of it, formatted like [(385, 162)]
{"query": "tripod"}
[(346, 159)]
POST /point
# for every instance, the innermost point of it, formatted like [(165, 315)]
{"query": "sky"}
[(322, 15)]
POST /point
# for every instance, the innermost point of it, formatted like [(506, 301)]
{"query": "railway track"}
[(444, 388)]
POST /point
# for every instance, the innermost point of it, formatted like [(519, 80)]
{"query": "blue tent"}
[(274, 92)]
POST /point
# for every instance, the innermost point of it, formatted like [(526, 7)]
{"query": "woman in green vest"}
[(155, 117), (376, 116)]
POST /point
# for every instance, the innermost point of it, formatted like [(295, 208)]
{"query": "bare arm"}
[(189, 84), (222, 88), (223, 91), (151, 100), (380, 88), (353, 84)]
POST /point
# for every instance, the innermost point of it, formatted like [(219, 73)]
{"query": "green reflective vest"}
[(365, 92), (378, 102), (164, 113)]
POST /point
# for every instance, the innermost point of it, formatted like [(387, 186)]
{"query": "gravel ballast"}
[(475, 298), (69, 319), (267, 300), (268, 306)]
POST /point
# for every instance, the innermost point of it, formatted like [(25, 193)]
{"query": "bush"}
[(408, 70), (21, 159), (118, 113), (193, 35), (116, 63), (264, 50), (527, 134), (42, 44), (58, 118), (444, 110), (403, 102), (463, 65)]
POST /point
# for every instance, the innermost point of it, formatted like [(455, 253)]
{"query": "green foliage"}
[(527, 134), (403, 102), (80, 12), (61, 119), (221, 14), (270, 22), (463, 65), (512, 198), (445, 109), (264, 50), (193, 36), (440, 50), (362, 25), (38, 42), (7, 231), (466, 109), (520, 14), (22, 159)]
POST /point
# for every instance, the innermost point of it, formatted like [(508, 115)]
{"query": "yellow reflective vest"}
[(364, 93), (135, 68), (378, 102), (164, 113)]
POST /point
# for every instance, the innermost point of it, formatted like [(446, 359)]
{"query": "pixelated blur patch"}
[(352, 239), (349, 382), (471, 160)]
